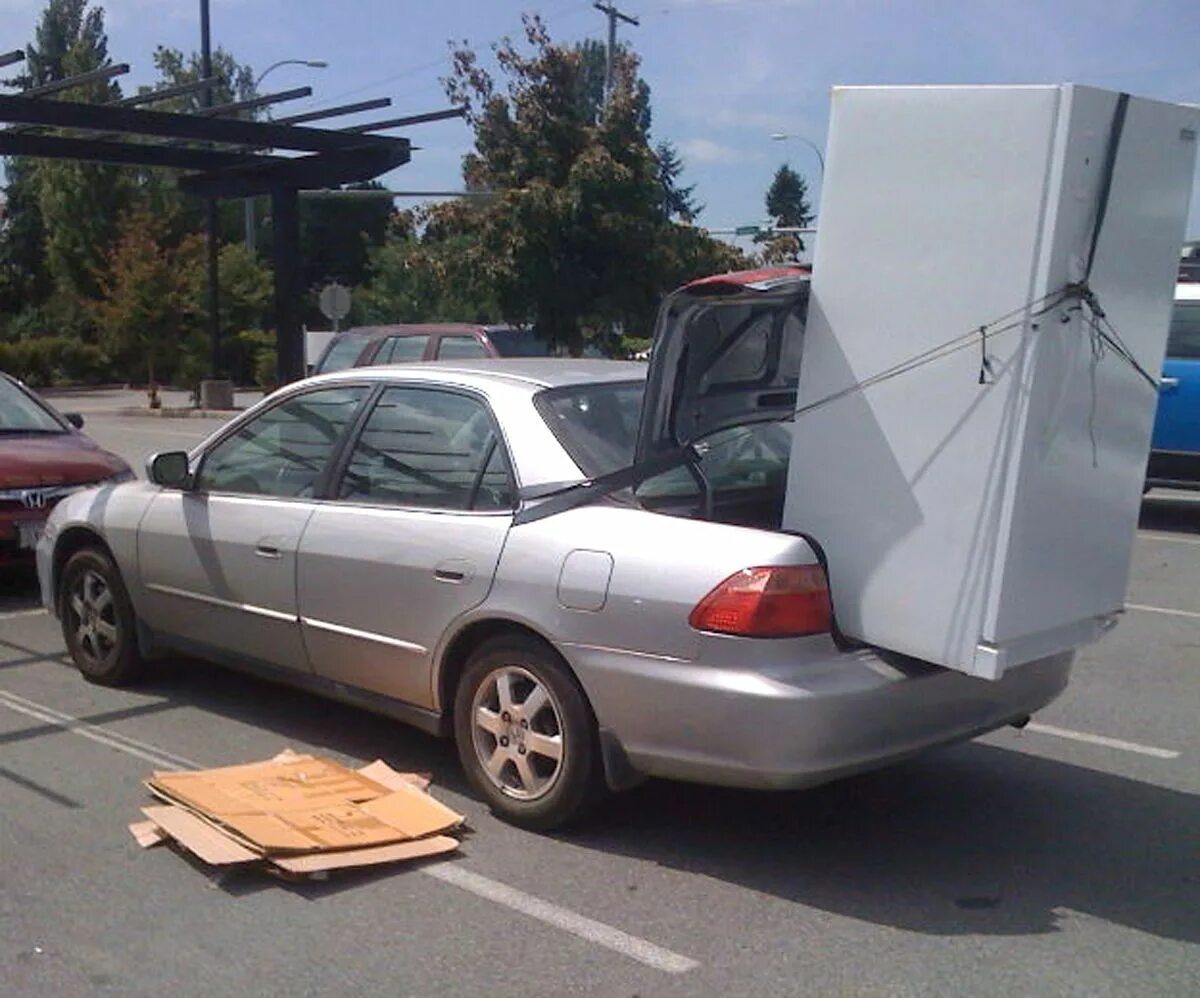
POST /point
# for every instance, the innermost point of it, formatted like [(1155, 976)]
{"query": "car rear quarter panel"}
[(661, 567)]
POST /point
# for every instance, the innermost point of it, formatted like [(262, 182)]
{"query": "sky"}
[(724, 74)]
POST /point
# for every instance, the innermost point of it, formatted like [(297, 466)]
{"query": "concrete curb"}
[(167, 412)]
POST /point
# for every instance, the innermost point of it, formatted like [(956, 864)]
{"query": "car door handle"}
[(455, 570), (1168, 384), (268, 551)]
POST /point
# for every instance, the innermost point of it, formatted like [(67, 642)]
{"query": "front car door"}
[(409, 541), (218, 560)]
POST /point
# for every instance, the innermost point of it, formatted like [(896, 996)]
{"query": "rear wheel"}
[(525, 734), (98, 622)]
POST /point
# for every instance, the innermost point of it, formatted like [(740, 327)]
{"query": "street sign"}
[(746, 230), (335, 302)]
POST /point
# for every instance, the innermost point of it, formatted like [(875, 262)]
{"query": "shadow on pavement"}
[(975, 839), (1172, 513), (971, 840)]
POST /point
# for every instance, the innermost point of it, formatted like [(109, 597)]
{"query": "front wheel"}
[(525, 734), (98, 622)]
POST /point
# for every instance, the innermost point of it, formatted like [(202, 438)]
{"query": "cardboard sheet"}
[(298, 813), (299, 804)]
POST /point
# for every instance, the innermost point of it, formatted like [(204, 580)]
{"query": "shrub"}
[(54, 360)]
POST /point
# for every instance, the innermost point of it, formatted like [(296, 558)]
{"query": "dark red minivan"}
[(43, 457), (398, 344)]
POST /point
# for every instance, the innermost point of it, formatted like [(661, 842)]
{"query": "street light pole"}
[(248, 204), (785, 136)]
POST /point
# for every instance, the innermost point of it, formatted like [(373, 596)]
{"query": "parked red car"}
[(396, 344), (43, 457)]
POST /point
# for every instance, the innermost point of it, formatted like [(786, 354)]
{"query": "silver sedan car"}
[(431, 543)]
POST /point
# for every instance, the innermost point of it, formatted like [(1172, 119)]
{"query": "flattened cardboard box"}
[(300, 813)]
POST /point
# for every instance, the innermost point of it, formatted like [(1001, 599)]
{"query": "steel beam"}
[(71, 82), (411, 119), (336, 112), (160, 124)]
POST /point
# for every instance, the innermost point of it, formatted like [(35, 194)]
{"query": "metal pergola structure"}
[(218, 156)]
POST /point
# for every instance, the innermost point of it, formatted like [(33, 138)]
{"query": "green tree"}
[(425, 271), (61, 215), (788, 207), (576, 239), (338, 233), (149, 294), (678, 201)]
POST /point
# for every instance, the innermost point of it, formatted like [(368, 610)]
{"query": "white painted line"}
[(553, 915), (95, 733), (1114, 743), (14, 614), (1162, 609), (562, 918), (1171, 538)]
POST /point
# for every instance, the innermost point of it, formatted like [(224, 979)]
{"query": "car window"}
[(399, 349), (20, 412), (283, 451), (732, 460), (597, 424), (456, 347), (343, 352), (1184, 339), (431, 449), (518, 343)]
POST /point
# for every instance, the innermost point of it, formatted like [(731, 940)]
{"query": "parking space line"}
[(1162, 609), (13, 614), (1113, 743), (564, 919), (92, 732)]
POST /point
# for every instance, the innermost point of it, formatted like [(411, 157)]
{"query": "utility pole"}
[(613, 16), (210, 213)]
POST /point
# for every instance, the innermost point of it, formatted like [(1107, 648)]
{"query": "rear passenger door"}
[(408, 541)]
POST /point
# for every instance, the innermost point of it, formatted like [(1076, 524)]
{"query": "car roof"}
[(418, 328), (534, 373)]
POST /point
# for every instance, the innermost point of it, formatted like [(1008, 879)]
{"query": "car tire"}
[(98, 622), (526, 736)]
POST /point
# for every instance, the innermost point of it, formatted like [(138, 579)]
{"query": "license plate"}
[(29, 533)]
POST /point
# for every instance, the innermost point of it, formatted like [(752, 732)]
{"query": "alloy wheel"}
[(517, 733), (93, 617)]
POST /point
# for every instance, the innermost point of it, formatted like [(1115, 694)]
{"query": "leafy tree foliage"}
[(61, 216), (150, 296), (576, 239), (788, 207)]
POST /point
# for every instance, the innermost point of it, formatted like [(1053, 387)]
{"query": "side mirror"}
[(75, 420), (169, 469)]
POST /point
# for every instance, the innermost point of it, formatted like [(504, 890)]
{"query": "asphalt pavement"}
[(1060, 860)]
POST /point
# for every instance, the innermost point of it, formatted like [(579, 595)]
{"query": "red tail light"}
[(775, 602)]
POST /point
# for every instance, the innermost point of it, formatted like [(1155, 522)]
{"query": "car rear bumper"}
[(802, 724)]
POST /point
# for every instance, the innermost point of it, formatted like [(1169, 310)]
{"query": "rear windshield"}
[(21, 413), (597, 424), (518, 343), (1184, 339), (342, 353)]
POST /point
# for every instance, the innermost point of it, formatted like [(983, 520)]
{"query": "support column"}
[(289, 337)]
